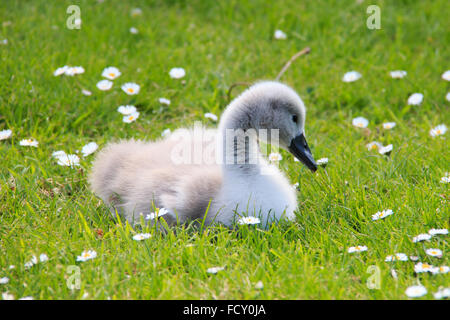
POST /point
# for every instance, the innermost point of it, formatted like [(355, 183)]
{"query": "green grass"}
[(45, 208)]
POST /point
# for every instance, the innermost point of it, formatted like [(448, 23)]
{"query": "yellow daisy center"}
[(86, 255), (438, 131), (130, 90), (131, 118), (112, 74)]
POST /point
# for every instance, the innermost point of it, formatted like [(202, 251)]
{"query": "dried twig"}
[(235, 85), (294, 57), (283, 70)]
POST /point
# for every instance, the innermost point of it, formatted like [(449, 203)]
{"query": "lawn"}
[(48, 209)]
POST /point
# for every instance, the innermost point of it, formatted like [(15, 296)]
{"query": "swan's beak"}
[(299, 148)]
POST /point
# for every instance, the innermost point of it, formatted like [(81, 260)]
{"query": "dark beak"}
[(299, 148)]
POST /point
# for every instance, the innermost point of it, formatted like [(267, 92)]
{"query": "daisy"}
[(111, 73), (446, 75), (249, 220), (57, 154), (164, 101), (214, 270), (382, 214), (441, 270), (416, 291), (415, 99), (279, 35), (439, 130), (4, 41), (397, 257), (177, 73), (374, 145), (434, 252), (423, 267), (131, 88), (141, 236), (386, 150), (43, 257), (259, 285), (295, 185), (126, 110), (434, 232), (68, 160), (86, 92), (447, 96), (442, 293), (351, 76), (360, 122), (7, 296), (131, 117), (88, 149), (398, 74), (211, 116), (322, 162), (421, 237), (275, 157), (166, 133), (159, 213), (413, 258), (4, 280), (357, 249), (104, 85), (27, 298), (60, 71), (5, 134), (389, 125), (77, 70), (445, 179), (29, 143), (87, 255), (136, 12), (133, 30)]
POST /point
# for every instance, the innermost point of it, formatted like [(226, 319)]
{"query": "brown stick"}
[(233, 86), (294, 57), (283, 70)]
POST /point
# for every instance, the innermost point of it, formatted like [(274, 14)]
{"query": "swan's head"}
[(272, 105)]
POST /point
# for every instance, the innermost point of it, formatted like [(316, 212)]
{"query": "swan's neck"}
[(240, 147)]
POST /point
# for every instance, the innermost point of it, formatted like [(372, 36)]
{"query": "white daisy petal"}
[(131, 88), (131, 117), (382, 214), (275, 157), (5, 134), (416, 291), (87, 255), (357, 249), (111, 73), (438, 131), (351, 76), (421, 237), (279, 35), (104, 85), (68, 160), (434, 232), (88, 149), (177, 73), (164, 101), (360, 122), (214, 270), (389, 125), (398, 74), (415, 99), (29, 143), (249, 220), (446, 75), (434, 252), (386, 150), (141, 236), (126, 110), (159, 213)]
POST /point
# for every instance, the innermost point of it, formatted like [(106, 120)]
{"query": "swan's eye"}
[(294, 118)]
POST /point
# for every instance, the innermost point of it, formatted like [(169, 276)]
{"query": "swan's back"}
[(135, 177)]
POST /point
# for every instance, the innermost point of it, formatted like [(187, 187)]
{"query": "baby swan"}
[(134, 177)]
